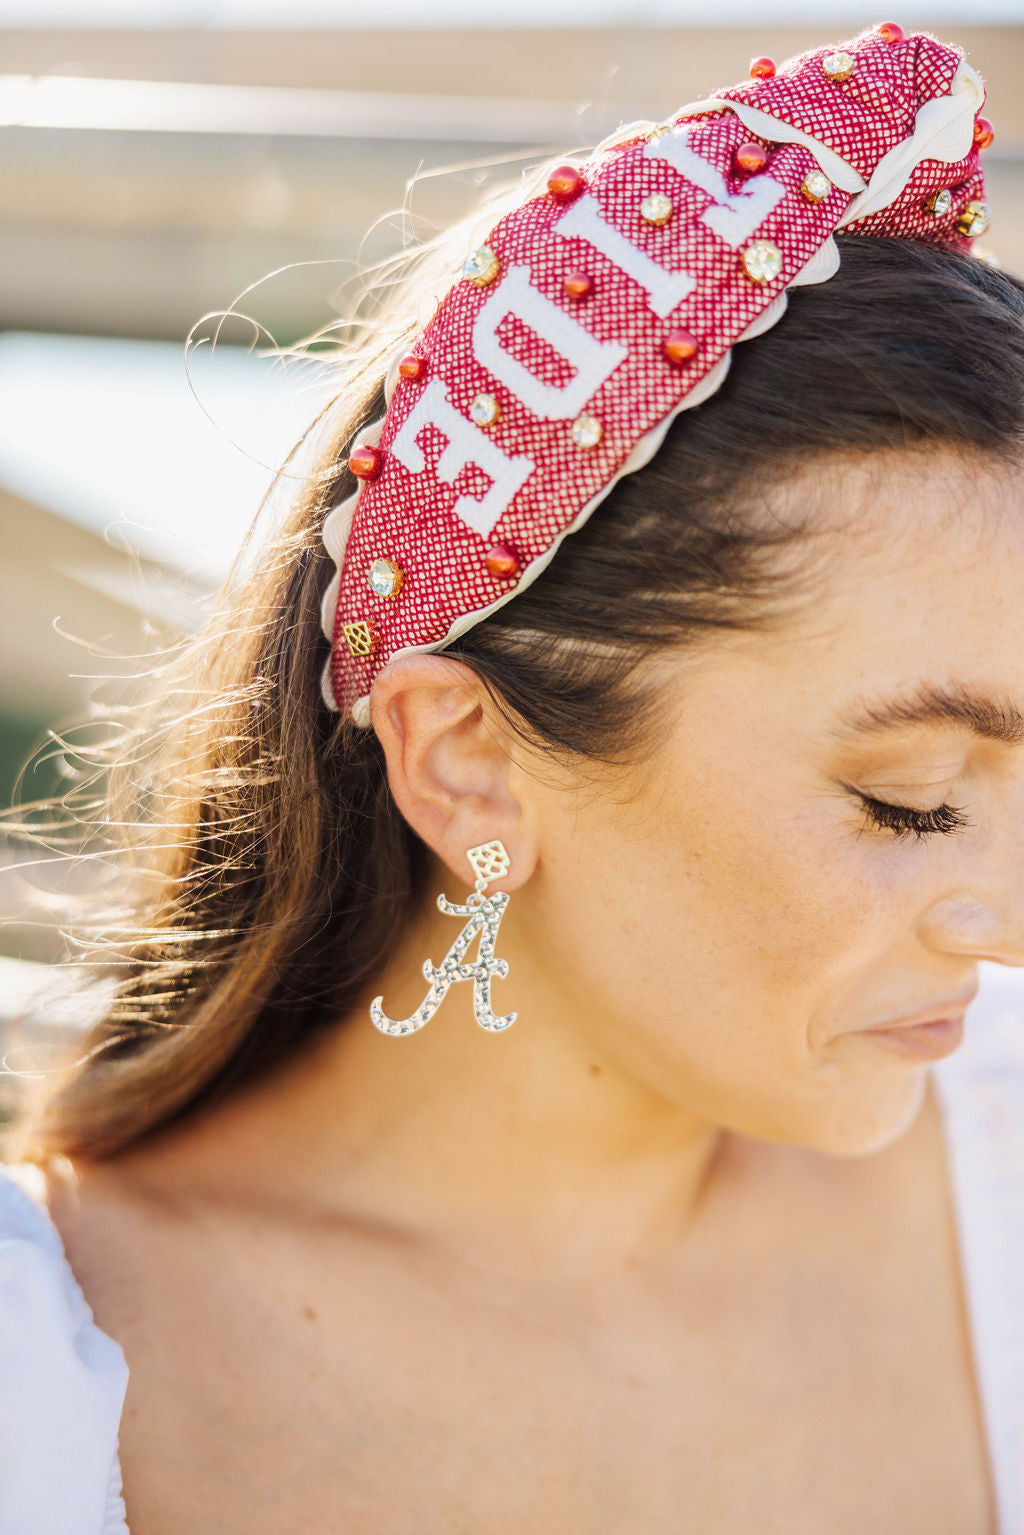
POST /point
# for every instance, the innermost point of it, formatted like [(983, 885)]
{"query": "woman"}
[(709, 1225)]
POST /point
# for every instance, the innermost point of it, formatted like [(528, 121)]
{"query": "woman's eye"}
[(906, 822)]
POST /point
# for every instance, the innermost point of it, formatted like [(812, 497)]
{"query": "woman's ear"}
[(449, 767)]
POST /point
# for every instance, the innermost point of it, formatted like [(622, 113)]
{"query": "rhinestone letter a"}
[(483, 915)]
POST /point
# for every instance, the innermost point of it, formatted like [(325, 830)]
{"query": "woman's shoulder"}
[(981, 1090), (62, 1380)]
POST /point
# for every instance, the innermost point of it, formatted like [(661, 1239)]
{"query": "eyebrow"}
[(931, 704)]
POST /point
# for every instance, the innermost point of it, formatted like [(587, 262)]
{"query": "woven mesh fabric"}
[(898, 129)]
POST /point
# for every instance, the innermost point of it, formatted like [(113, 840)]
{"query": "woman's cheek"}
[(805, 899)]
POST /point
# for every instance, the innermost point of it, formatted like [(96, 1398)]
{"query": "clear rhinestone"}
[(940, 202), (484, 410), (385, 578), (762, 260), (974, 220), (815, 186), (656, 208), (839, 66), (481, 266), (586, 431), (483, 923)]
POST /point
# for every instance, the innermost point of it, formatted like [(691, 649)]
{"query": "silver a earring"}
[(483, 914)]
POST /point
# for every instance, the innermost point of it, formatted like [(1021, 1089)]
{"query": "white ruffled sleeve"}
[(62, 1383), (981, 1092)]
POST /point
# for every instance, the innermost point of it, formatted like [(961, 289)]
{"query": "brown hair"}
[(270, 869)]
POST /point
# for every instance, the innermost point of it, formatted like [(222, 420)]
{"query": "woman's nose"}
[(984, 918), (981, 913), (986, 926)]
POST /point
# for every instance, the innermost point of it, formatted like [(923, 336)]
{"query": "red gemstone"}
[(412, 367), (984, 133), (501, 561), (578, 285), (762, 69), (565, 183), (891, 32), (680, 347), (751, 158), (365, 463)]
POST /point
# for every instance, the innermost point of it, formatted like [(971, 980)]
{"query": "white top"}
[(62, 1380)]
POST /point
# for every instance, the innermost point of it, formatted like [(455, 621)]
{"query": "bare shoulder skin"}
[(675, 1251)]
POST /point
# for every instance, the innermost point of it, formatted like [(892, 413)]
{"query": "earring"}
[(483, 914)]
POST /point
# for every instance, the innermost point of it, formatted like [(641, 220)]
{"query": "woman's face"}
[(728, 923)]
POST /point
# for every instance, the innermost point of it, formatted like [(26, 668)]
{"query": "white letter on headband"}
[(732, 215), (593, 360), (664, 289), (466, 444)]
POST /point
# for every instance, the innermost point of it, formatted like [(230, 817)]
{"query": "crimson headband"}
[(607, 303)]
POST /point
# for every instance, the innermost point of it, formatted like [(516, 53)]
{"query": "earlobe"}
[(448, 767)]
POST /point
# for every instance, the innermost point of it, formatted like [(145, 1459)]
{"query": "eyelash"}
[(905, 822)]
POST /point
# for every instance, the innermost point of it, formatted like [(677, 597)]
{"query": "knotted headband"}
[(608, 302)]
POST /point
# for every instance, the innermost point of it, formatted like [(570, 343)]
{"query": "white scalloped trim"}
[(822, 265), (943, 130), (624, 134), (838, 170), (334, 535), (391, 378)]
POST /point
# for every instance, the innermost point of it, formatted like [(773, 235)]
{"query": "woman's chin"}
[(865, 1127)]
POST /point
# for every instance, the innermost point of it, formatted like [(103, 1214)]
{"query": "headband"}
[(606, 303)]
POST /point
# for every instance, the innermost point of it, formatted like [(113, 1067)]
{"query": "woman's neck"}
[(525, 1148)]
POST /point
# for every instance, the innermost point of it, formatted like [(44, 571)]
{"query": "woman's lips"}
[(927, 1041)]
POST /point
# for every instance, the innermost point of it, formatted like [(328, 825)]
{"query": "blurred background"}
[(162, 160)]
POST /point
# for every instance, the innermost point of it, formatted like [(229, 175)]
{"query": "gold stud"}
[(386, 578), (481, 266), (815, 186), (838, 66), (974, 220), (359, 637), (656, 208)]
